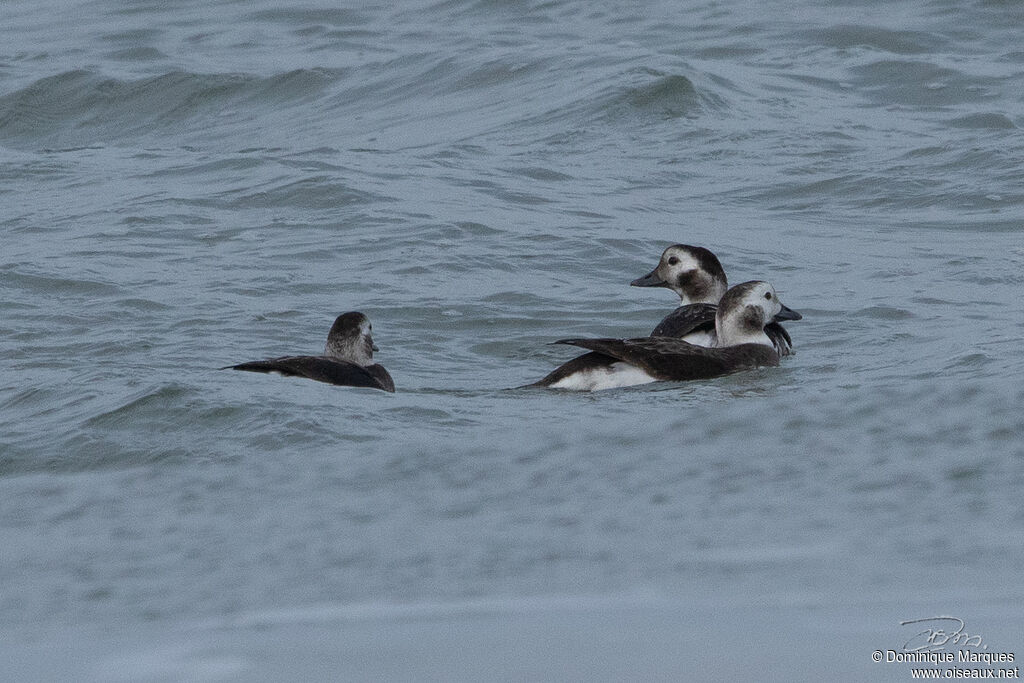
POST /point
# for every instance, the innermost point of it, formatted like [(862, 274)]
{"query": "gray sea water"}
[(187, 185)]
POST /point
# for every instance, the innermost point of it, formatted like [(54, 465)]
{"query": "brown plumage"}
[(324, 369), (347, 358), (670, 359), (742, 341)]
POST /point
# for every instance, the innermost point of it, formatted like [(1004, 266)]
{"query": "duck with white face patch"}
[(741, 343), (696, 275), (347, 359), (693, 272)]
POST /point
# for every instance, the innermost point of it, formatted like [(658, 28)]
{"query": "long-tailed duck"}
[(695, 274), (347, 359), (741, 343)]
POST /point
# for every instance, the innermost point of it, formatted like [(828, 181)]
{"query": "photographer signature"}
[(935, 637)]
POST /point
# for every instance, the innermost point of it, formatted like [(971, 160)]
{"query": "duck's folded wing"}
[(324, 369), (686, 320), (673, 359), (289, 366)]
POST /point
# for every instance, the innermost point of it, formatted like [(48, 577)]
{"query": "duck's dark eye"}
[(768, 295), (673, 261)]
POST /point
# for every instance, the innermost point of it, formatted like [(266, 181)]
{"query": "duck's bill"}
[(786, 313), (649, 280)]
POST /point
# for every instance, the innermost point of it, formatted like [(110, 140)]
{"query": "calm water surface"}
[(188, 185)]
